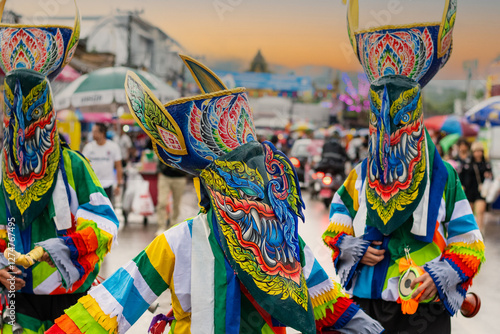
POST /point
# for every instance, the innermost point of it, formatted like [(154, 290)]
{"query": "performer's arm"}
[(464, 251), (115, 305), (339, 237), (333, 310), (81, 249)]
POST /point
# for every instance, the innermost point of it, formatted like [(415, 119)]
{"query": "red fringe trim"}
[(331, 318)]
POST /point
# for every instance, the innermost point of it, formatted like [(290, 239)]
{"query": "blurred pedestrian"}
[(170, 181), (105, 156), (126, 146), (475, 172), (463, 154)]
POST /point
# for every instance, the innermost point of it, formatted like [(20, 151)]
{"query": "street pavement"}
[(135, 236)]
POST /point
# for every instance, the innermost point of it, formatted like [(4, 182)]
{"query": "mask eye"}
[(373, 119), (405, 119), (244, 195), (35, 114), (8, 112)]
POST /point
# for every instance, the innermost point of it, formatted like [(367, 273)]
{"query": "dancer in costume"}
[(402, 213), (239, 266), (53, 207)]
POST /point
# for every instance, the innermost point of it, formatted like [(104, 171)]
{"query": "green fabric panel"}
[(421, 256), (3, 211), (41, 270), (267, 330), (149, 273), (402, 237), (348, 201), (220, 280), (42, 228), (302, 245), (85, 322), (172, 327), (68, 167), (30, 325), (82, 174), (251, 320)]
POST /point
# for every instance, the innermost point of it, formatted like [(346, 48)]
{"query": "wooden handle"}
[(24, 260)]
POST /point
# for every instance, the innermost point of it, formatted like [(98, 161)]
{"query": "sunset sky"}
[(296, 32)]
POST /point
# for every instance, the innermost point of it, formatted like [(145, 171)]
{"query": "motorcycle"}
[(324, 186), (329, 173)]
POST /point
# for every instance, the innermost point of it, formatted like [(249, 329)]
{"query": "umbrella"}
[(106, 86), (302, 126), (448, 141), (488, 110), (451, 124)]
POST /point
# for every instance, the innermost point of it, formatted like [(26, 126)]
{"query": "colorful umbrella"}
[(106, 86), (451, 124), (488, 110), (448, 141)]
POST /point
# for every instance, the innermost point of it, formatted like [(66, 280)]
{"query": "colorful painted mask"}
[(417, 51), (255, 196), (45, 49), (31, 150), (190, 133), (253, 189), (397, 152)]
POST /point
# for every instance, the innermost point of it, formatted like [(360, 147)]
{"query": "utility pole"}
[(130, 17)]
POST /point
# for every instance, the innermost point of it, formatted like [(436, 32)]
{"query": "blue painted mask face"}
[(255, 196), (397, 151), (31, 144)]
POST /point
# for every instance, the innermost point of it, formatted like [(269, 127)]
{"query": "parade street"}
[(135, 236)]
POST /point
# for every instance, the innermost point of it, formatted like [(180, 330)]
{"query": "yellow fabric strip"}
[(325, 297), (339, 228), (93, 308), (162, 258), (350, 186)]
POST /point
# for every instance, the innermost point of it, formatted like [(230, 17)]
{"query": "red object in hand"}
[(471, 305)]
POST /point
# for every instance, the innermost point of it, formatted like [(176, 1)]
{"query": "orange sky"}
[(300, 32)]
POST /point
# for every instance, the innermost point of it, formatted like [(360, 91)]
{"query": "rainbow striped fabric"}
[(206, 295), (77, 229), (445, 239)]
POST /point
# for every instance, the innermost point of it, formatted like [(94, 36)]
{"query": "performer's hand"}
[(373, 255), (117, 191), (427, 284), (46, 258), (5, 276)]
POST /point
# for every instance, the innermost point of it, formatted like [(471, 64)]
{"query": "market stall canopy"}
[(486, 111), (106, 86), (451, 124)]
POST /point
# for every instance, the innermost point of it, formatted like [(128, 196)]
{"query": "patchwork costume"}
[(403, 195), (50, 195), (239, 266)]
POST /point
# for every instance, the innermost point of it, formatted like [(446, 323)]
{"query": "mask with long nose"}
[(397, 152), (30, 156)]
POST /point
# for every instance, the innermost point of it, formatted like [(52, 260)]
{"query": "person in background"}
[(474, 171), (105, 156), (126, 146), (463, 155), (170, 180)]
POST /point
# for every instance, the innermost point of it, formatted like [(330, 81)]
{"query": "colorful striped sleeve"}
[(79, 250), (116, 304), (339, 237), (464, 252), (332, 308)]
